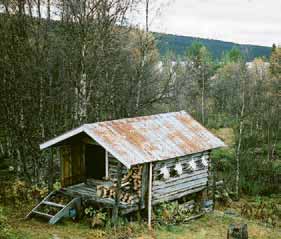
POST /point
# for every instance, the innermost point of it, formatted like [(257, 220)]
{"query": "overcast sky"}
[(242, 21)]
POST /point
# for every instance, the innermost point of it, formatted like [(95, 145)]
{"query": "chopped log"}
[(130, 188), (237, 231), (125, 184)]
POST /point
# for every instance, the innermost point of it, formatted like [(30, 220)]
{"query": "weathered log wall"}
[(113, 168), (177, 186)]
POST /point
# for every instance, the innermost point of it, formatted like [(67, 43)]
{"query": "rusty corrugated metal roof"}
[(149, 138)]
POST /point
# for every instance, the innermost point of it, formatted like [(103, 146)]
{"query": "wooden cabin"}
[(129, 162)]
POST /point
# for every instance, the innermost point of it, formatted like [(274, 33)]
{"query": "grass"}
[(215, 226), (211, 226)]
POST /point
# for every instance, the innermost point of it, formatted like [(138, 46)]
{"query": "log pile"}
[(130, 187)]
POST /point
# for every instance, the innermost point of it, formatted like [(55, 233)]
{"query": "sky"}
[(255, 22)]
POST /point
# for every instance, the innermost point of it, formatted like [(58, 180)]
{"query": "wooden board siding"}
[(73, 165), (65, 158), (178, 186)]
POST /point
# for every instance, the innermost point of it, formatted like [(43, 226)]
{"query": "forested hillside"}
[(178, 44)]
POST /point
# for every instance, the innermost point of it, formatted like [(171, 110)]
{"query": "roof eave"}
[(60, 138)]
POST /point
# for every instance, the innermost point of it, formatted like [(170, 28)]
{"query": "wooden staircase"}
[(67, 209)]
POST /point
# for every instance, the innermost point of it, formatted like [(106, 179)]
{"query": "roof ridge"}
[(138, 117)]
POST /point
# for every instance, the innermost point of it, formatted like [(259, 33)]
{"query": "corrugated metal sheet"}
[(151, 138)]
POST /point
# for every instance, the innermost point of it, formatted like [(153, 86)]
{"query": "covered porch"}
[(88, 191)]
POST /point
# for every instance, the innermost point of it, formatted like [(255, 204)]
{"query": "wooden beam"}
[(144, 180), (149, 195), (117, 195), (84, 162), (106, 164)]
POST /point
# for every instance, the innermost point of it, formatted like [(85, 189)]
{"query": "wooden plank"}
[(172, 184), (179, 187), (113, 169), (201, 184), (85, 191), (53, 204), (179, 178), (39, 204), (83, 161), (117, 195), (66, 165), (149, 195), (43, 214), (64, 211), (178, 195), (106, 164), (111, 202), (144, 181), (75, 163)]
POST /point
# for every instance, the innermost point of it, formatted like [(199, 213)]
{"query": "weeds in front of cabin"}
[(18, 192), (168, 221), (172, 213), (264, 209)]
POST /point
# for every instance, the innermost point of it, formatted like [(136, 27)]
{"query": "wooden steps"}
[(43, 214), (62, 210), (53, 204)]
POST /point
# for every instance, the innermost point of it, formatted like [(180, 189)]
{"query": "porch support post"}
[(149, 195), (117, 195), (106, 164), (144, 181)]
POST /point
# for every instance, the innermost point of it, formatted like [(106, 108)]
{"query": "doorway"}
[(94, 161)]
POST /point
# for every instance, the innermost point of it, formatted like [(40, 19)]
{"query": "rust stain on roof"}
[(154, 138)]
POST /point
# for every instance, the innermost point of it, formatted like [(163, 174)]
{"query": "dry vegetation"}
[(212, 226)]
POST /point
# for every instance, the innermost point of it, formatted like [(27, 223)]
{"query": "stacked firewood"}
[(105, 191), (132, 181), (130, 187)]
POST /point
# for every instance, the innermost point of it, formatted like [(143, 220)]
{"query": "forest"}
[(177, 44), (90, 65)]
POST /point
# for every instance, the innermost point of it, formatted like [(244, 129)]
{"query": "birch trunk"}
[(203, 100), (238, 150), (139, 86), (81, 90)]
